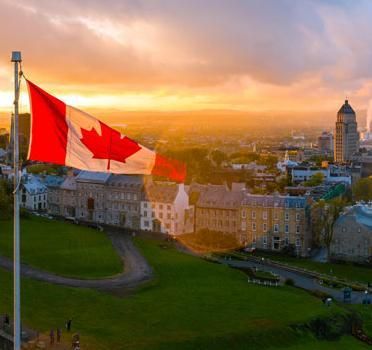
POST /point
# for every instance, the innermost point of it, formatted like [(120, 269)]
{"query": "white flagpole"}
[(16, 58)]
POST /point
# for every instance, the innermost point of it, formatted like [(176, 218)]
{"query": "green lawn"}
[(192, 304), (349, 271), (62, 248)]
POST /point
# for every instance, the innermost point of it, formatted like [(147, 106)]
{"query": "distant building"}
[(352, 235), (325, 143), (332, 173), (346, 134), (165, 208), (275, 223), (362, 164), (4, 139), (252, 166), (282, 166)]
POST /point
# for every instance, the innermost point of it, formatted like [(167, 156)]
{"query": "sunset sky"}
[(254, 55)]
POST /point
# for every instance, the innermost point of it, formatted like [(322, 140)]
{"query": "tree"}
[(5, 200), (315, 180), (218, 157), (326, 215), (362, 190)]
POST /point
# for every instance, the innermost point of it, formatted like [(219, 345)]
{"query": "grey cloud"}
[(272, 41)]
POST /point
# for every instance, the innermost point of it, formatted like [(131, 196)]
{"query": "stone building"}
[(98, 197), (352, 235), (123, 200), (62, 198), (165, 208), (217, 209), (346, 134), (34, 195), (274, 222)]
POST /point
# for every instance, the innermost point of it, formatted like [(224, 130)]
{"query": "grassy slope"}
[(347, 271), (192, 304), (62, 248)]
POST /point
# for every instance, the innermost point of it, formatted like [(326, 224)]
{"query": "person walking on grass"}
[(68, 325), (59, 335), (51, 335)]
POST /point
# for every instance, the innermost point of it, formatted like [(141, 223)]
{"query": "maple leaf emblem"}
[(109, 145)]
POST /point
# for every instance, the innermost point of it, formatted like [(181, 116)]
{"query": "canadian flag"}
[(64, 135)]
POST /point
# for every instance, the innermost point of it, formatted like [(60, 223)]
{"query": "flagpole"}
[(16, 58)]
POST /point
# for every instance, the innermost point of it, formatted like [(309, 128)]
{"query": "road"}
[(136, 269), (300, 280)]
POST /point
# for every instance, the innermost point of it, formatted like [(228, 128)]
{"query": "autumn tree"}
[(315, 180), (325, 215), (362, 190)]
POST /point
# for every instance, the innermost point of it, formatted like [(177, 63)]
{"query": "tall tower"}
[(346, 134)]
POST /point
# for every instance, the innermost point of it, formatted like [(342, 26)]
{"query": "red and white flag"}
[(64, 135)]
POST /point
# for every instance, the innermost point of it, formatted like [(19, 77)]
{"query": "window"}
[(146, 223), (145, 205), (276, 228), (160, 215), (253, 214), (264, 215), (298, 229), (168, 216), (276, 215), (145, 213), (264, 240), (244, 213), (168, 207), (298, 242), (286, 228), (298, 217), (264, 227), (160, 206), (253, 226), (286, 216)]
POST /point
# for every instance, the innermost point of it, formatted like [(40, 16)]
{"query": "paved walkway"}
[(136, 269), (299, 279)]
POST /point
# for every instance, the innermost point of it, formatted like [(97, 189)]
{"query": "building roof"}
[(93, 177), (134, 181), (346, 108), (257, 200), (163, 192), (69, 183), (220, 197), (34, 186), (361, 213), (53, 181)]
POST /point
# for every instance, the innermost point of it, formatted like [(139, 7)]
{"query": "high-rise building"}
[(346, 134), (325, 143)]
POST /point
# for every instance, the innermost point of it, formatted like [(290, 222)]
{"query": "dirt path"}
[(136, 269)]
